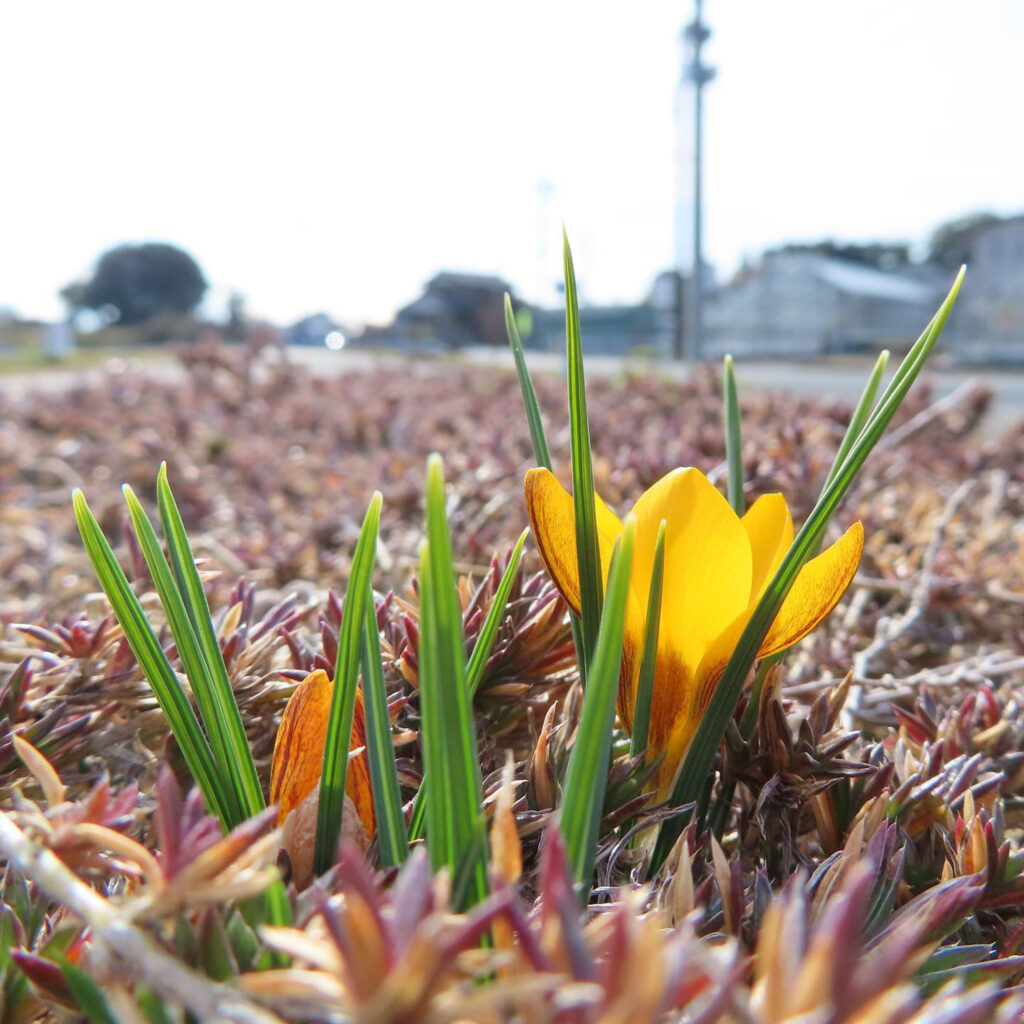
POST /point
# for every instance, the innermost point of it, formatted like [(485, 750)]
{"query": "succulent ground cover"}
[(856, 858)]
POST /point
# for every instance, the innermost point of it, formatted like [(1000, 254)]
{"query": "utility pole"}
[(697, 74)]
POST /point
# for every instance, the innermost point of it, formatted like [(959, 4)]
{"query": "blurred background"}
[(377, 175)]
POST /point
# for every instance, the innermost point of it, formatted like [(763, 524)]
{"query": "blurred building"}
[(988, 321), (455, 311), (801, 303), (642, 329), (795, 302), (312, 330)]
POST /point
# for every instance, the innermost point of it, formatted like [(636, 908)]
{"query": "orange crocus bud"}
[(299, 751)]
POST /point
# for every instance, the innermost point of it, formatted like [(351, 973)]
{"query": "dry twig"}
[(120, 946)]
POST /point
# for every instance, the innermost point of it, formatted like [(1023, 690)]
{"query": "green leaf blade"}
[(380, 750), (461, 792), (87, 993), (193, 595), (343, 701), (198, 672), (587, 548), (153, 661), (489, 630), (648, 663), (541, 453), (733, 440), (530, 403), (477, 662), (860, 416), (587, 775), (434, 810)]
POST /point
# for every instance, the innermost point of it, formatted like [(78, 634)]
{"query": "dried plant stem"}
[(930, 413), (118, 944), (891, 629), (974, 670)]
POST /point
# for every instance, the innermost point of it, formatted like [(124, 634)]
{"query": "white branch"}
[(119, 945), (890, 629)]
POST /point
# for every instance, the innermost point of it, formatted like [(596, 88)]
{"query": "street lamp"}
[(697, 74)]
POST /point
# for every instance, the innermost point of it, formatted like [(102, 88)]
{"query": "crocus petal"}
[(553, 518), (770, 529), (299, 750), (629, 670), (708, 563), (672, 721), (816, 591)]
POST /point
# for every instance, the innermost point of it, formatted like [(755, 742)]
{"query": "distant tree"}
[(137, 282), (950, 243), (880, 255)]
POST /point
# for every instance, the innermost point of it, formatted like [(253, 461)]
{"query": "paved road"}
[(832, 379), (846, 382)]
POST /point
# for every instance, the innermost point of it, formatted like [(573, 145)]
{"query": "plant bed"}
[(853, 857)]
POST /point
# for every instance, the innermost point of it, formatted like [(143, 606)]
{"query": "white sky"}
[(334, 156)]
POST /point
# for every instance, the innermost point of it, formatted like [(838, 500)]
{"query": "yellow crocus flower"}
[(717, 565)]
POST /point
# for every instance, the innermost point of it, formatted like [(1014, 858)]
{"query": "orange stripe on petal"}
[(553, 519), (815, 592), (673, 722), (357, 779), (629, 670), (299, 750)]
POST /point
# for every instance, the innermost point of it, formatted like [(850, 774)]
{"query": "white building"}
[(800, 303), (988, 322)]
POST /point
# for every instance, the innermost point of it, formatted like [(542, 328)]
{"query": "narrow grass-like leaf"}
[(211, 709), (434, 809), (477, 663), (645, 680), (860, 415), (700, 757), (587, 775), (153, 661), (460, 789), (733, 442), (380, 750), (541, 453), (720, 811), (489, 630), (750, 713), (533, 418), (587, 550), (190, 586), (418, 816), (343, 701)]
